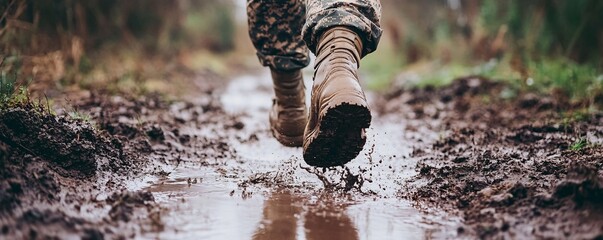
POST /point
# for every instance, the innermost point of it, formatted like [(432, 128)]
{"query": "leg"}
[(275, 30), (340, 33), (361, 16)]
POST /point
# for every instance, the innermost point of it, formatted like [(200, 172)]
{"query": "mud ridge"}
[(512, 167), (54, 173)]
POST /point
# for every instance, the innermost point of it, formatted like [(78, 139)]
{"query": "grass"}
[(531, 44), (575, 116), (579, 82), (20, 95), (77, 115), (9, 75), (14, 91), (579, 144), (381, 67), (7, 85), (381, 72)]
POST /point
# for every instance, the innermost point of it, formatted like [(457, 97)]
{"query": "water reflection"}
[(287, 216), (211, 210), (329, 222), (279, 218)]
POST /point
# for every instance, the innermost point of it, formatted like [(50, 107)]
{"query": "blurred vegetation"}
[(140, 45), (544, 45), (7, 84), (485, 29), (33, 26), (62, 43)]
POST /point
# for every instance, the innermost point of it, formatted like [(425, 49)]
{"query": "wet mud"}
[(463, 161), (259, 189), (53, 176), (513, 168)]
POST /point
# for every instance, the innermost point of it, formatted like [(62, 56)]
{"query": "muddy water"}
[(267, 192)]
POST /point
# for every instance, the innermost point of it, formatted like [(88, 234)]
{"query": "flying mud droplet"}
[(338, 178)]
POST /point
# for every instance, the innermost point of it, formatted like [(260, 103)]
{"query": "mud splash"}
[(266, 191)]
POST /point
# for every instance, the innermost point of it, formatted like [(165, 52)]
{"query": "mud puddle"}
[(266, 191), (208, 210)]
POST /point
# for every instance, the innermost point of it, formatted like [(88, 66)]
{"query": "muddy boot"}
[(339, 113), (288, 115)]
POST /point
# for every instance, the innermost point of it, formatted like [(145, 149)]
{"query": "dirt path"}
[(265, 191), (461, 161)]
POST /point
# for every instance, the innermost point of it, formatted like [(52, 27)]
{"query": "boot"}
[(339, 113), (288, 114)]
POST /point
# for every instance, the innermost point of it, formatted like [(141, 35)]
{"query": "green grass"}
[(575, 80), (9, 75), (579, 144), (545, 42), (443, 75), (579, 82), (77, 115), (575, 116), (7, 85), (380, 68), (13, 89)]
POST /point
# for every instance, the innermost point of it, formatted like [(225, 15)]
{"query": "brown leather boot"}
[(339, 113), (288, 114)]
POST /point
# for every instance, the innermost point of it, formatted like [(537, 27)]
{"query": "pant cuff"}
[(284, 63), (368, 31)]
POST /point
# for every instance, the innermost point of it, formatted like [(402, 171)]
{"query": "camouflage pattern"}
[(282, 31), (275, 30), (362, 16)]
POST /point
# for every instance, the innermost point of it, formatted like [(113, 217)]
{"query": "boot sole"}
[(341, 136)]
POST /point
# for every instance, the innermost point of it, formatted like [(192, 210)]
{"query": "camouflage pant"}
[(282, 31)]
